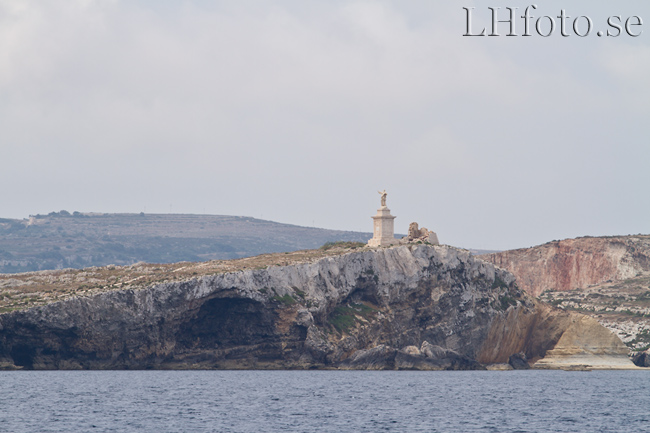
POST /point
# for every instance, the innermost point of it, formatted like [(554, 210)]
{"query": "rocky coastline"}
[(402, 307)]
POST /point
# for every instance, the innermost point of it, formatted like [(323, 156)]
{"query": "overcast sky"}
[(299, 111)]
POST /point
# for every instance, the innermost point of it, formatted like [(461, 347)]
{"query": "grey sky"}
[(299, 111)]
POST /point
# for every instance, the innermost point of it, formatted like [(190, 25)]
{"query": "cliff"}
[(576, 263), (607, 278), (405, 307)]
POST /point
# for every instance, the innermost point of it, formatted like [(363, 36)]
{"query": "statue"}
[(383, 197)]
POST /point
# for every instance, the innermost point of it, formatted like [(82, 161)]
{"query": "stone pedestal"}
[(383, 233)]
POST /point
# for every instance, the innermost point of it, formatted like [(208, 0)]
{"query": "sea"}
[(325, 401)]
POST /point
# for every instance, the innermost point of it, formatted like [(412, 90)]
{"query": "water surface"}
[(325, 401)]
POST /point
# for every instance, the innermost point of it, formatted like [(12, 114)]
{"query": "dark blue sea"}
[(325, 401)]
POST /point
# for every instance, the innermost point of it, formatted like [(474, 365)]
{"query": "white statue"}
[(383, 197)]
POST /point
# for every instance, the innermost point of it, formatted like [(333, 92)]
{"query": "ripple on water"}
[(324, 401)]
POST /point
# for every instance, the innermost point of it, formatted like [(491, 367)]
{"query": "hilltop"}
[(78, 240)]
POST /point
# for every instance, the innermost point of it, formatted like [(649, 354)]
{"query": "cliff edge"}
[(404, 307)]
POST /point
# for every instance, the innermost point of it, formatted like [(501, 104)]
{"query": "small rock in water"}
[(642, 359), (519, 361)]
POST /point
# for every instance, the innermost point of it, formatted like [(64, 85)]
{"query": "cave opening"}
[(23, 355), (228, 322)]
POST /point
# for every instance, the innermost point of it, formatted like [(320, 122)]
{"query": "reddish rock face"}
[(576, 263)]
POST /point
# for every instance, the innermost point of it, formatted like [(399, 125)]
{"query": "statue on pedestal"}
[(383, 225), (383, 197)]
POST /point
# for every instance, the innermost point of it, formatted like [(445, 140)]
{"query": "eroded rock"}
[(574, 263), (404, 307), (519, 361), (642, 359), (416, 234)]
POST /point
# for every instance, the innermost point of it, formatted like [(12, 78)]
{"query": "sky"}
[(299, 111)]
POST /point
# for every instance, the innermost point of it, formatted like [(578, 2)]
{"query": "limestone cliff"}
[(575, 263), (411, 306), (585, 343), (607, 278)]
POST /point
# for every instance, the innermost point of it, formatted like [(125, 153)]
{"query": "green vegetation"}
[(642, 337), (507, 301), (342, 244), (371, 274), (499, 283), (286, 299), (344, 317), (644, 296)]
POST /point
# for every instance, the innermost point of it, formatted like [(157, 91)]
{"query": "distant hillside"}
[(63, 240)]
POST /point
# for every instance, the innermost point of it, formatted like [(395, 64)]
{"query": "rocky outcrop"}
[(423, 234), (519, 361), (642, 359), (575, 263), (405, 307)]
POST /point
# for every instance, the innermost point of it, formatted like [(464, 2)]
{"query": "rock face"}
[(416, 234), (584, 343), (574, 263), (642, 359), (607, 278), (405, 307), (519, 361)]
